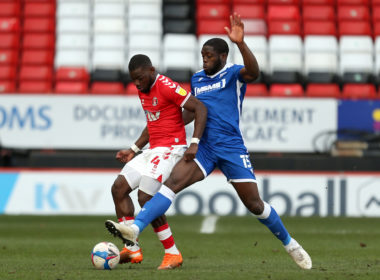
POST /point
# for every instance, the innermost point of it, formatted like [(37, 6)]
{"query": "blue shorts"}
[(235, 164)]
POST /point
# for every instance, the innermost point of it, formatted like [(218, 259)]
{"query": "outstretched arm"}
[(126, 155), (251, 71)]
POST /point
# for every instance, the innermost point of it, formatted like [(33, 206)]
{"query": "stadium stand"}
[(42, 41)]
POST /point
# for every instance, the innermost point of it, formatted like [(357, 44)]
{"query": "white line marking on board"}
[(209, 223)]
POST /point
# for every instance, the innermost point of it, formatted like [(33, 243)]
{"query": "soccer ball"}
[(105, 255)]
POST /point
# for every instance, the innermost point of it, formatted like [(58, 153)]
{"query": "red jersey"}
[(163, 109)]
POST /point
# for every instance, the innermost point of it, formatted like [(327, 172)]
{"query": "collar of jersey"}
[(154, 81), (228, 65)]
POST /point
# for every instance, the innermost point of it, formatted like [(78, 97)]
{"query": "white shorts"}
[(156, 163)]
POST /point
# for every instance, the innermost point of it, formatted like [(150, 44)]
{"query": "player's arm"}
[(250, 72), (194, 109), (126, 155)]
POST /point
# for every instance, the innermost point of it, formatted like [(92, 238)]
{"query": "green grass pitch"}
[(59, 248)]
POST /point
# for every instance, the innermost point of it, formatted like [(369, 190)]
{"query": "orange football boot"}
[(127, 256), (171, 261)]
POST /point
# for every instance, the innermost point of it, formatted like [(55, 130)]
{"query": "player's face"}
[(143, 78), (212, 61)]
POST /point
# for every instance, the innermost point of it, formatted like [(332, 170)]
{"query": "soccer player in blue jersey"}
[(221, 87)]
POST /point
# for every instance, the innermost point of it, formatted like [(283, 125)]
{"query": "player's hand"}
[(125, 155), (236, 32), (190, 152)]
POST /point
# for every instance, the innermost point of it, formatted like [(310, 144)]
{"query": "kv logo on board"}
[(60, 198)]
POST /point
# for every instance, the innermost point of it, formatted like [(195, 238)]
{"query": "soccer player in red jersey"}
[(162, 101)]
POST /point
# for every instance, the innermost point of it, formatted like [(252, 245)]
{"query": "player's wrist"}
[(194, 140), (135, 148)]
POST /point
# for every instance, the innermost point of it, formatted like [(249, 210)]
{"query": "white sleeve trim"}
[(187, 97)]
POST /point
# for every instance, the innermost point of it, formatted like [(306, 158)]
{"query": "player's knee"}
[(143, 198), (256, 206), (119, 188)]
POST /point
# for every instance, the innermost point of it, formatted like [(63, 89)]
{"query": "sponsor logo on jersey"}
[(219, 85), (181, 91), (222, 74), (152, 116), (154, 101)]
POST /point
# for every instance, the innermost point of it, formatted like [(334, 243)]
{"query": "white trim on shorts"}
[(201, 167), (242, 180)]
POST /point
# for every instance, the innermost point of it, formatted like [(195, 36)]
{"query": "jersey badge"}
[(181, 91), (155, 101), (222, 74)]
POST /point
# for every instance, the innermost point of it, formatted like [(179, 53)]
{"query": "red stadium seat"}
[(284, 2), (323, 90), (354, 28), (250, 11), (36, 73), (255, 2), (376, 13), (131, 89), (8, 57), (72, 74), (284, 28), (256, 90), (9, 40), (215, 26), (352, 2), (319, 28), (278, 12), (35, 87), (213, 11), (8, 72), (10, 24), (8, 86), (315, 12), (9, 9), (213, 2), (286, 90), (39, 25), (359, 91), (39, 41), (319, 2), (37, 57), (44, 9), (353, 13), (107, 88), (376, 29), (71, 87)]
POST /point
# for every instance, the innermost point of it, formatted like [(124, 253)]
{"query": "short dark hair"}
[(219, 45), (139, 60)]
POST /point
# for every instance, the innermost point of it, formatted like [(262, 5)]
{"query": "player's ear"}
[(223, 56), (152, 69)]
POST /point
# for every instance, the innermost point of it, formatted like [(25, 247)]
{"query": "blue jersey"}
[(223, 95)]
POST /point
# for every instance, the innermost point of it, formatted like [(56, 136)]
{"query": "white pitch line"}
[(209, 223)]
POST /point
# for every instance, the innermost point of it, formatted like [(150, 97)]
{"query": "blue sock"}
[(154, 208), (275, 225)]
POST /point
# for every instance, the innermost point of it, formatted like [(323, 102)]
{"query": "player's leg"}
[(183, 175), (128, 180), (239, 171), (266, 214), (172, 256)]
